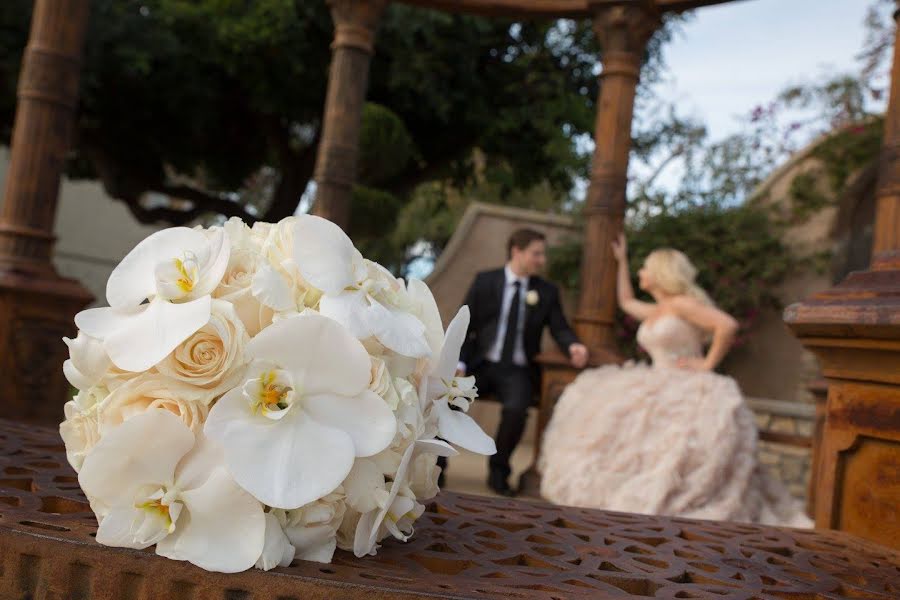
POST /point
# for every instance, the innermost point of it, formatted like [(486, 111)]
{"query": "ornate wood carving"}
[(854, 329), (464, 547), (355, 23)]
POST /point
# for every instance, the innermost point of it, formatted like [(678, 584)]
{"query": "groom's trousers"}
[(512, 386)]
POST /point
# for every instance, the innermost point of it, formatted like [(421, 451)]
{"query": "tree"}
[(217, 103)]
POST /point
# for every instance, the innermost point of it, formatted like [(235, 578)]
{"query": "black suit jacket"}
[(485, 301)]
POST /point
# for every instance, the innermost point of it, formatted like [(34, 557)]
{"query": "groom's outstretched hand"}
[(578, 355)]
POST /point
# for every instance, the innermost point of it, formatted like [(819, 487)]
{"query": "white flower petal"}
[(219, 253), (75, 377), (322, 354), (286, 463), (366, 531), (277, 550), (101, 322), (400, 331), (149, 336), (370, 523), (324, 254), (453, 341), (88, 360), (229, 409), (436, 447), (348, 309), (366, 418), (272, 289), (459, 428), (361, 483), (133, 279), (198, 464), (429, 314), (143, 450), (315, 543), (222, 528), (116, 529)]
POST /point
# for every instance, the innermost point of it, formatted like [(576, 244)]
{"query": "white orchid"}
[(359, 294), (396, 507), (292, 431), (443, 389), (176, 270), (163, 486)]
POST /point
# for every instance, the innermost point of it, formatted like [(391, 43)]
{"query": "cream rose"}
[(382, 384), (81, 430), (236, 288), (152, 391), (211, 360)]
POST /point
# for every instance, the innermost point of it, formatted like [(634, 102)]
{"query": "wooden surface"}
[(464, 547), (36, 304)]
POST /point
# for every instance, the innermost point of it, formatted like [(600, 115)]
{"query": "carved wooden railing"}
[(465, 547)]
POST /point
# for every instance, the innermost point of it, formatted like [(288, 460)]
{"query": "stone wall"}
[(789, 463)]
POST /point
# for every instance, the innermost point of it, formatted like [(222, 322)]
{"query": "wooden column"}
[(854, 329), (623, 30), (355, 23), (36, 304)]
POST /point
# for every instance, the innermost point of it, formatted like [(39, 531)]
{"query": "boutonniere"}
[(532, 298)]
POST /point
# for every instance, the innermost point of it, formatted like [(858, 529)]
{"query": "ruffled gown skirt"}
[(660, 441)]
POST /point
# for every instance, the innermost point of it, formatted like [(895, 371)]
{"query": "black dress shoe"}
[(498, 483)]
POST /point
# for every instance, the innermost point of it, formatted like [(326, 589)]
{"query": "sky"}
[(731, 57)]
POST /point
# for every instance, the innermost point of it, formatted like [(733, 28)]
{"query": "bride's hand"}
[(620, 248), (693, 364)]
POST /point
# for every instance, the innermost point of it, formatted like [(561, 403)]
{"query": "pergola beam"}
[(548, 8)]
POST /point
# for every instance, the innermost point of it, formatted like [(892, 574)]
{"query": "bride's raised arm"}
[(709, 318), (627, 302)]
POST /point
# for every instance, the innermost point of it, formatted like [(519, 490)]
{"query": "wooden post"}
[(36, 304), (355, 23), (854, 329), (623, 31)]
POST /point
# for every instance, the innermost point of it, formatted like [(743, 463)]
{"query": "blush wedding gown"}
[(661, 440)]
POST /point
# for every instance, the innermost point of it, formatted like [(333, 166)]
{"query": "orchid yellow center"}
[(270, 395), (157, 508), (189, 273), (161, 509)]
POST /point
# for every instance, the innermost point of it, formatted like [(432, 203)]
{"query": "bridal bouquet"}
[(255, 395)]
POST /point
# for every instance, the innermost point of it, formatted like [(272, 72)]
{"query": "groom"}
[(510, 308)]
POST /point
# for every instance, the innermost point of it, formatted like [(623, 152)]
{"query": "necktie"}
[(512, 328)]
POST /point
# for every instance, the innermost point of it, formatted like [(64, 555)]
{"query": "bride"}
[(673, 438)]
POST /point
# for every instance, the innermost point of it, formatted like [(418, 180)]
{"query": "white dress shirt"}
[(496, 350), (509, 289)]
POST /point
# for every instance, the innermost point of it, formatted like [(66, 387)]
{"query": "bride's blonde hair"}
[(674, 273)]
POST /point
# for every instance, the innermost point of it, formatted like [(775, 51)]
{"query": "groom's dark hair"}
[(521, 239)]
